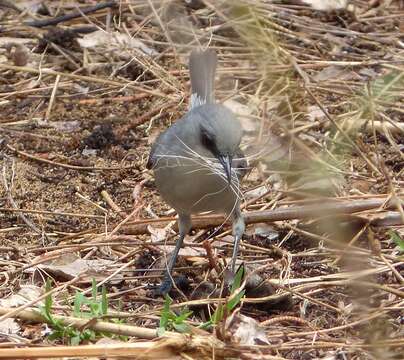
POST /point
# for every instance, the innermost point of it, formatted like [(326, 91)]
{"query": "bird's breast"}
[(194, 185)]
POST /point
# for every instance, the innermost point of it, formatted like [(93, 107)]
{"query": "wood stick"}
[(167, 348), (70, 16), (282, 214), (102, 326)]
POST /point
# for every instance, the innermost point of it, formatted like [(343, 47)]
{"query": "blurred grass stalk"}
[(258, 31)]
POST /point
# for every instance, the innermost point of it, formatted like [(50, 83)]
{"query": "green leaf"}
[(232, 303), (94, 309), (206, 325), (47, 315), (87, 334), (237, 279), (48, 299), (94, 289), (165, 314), (182, 328), (382, 85), (104, 301), (46, 311), (218, 314), (161, 331), (117, 321), (397, 239), (76, 339), (55, 335), (81, 302), (78, 302), (183, 316)]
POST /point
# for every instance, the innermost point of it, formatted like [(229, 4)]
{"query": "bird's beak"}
[(226, 160)]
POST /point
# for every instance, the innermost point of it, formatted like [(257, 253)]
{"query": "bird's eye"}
[(208, 141)]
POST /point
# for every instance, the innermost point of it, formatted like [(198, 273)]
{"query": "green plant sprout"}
[(169, 320), (96, 306), (397, 240), (223, 310)]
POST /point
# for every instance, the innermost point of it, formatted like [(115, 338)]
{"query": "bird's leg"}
[(184, 226), (238, 231)]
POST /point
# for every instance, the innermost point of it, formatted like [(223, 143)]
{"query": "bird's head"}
[(220, 133)]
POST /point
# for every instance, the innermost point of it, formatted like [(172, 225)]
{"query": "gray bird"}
[(197, 162)]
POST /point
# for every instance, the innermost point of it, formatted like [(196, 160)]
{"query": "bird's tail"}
[(202, 68)]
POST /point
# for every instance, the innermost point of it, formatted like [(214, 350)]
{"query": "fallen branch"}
[(101, 326), (282, 214), (168, 347), (139, 350), (172, 347), (70, 16), (391, 218)]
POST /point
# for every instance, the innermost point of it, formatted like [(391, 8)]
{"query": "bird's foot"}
[(165, 287), (181, 283)]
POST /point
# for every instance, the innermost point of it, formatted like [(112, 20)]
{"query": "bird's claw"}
[(165, 287)]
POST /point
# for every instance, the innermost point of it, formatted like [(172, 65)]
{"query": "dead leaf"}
[(32, 84), (245, 330), (263, 230), (69, 270), (9, 326), (6, 41), (314, 113), (32, 6), (186, 251), (197, 260), (360, 185), (81, 89), (327, 5), (89, 152), (26, 294), (333, 72), (114, 41), (66, 126), (157, 234), (226, 240), (255, 193), (19, 54)]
